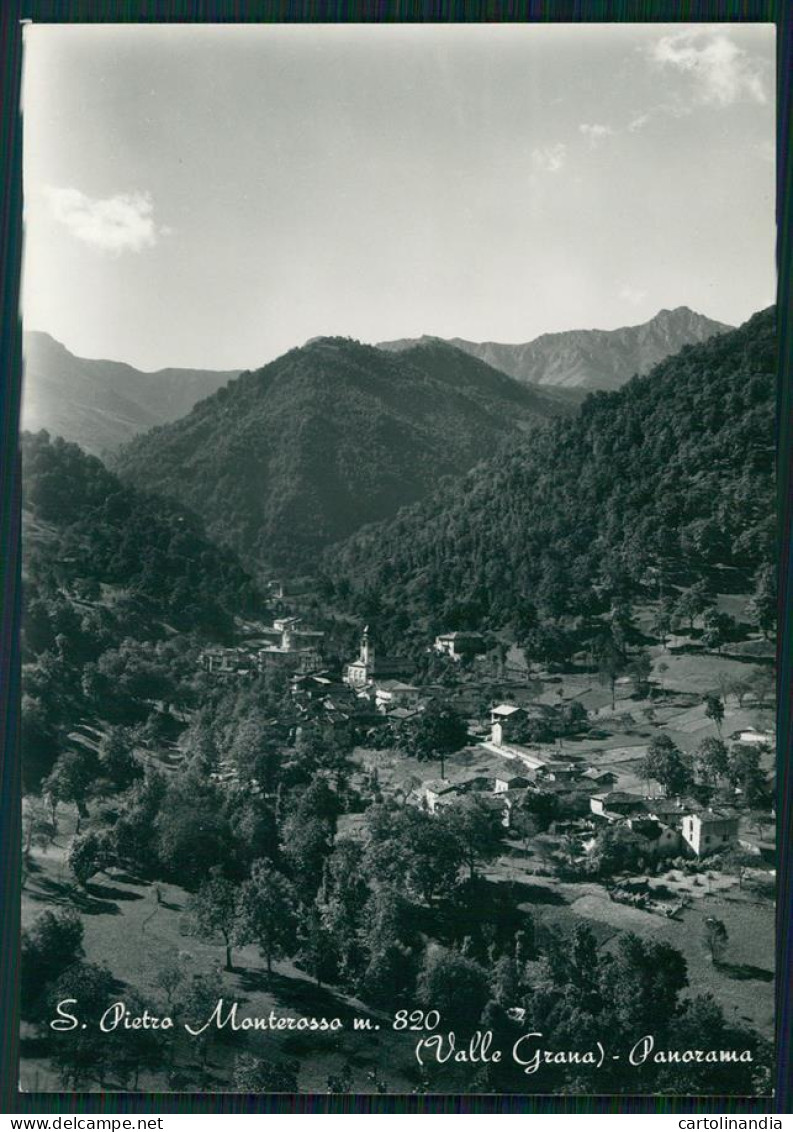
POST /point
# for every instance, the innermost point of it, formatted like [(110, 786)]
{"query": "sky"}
[(213, 196)]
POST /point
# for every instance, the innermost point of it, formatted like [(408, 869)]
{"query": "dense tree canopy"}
[(652, 485)]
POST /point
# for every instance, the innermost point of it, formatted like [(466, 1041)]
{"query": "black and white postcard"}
[(399, 559)]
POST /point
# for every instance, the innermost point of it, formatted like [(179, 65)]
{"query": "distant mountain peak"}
[(580, 360), (101, 404)]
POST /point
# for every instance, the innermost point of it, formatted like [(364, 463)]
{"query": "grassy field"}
[(126, 928), (742, 984)]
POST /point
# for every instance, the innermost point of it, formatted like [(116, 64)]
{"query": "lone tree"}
[(217, 910), (268, 900), (717, 629), (666, 765), (436, 733), (715, 937), (693, 602), (611, 664), (712, 760), (714, 709), (72, 779), (88, 855)]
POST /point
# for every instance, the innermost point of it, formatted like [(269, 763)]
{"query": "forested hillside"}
[(328, 437), (663, 480), (119, 587)]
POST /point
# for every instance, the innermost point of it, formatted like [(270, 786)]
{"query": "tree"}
[(717, 629), (615, 851), (611, 665), (306, 844), (192, 833), (136, 1050), (456, 987), (88, 854), (170, 977), (763, 604), (574, 717), (663, 620), (665, 764), (267, 915), (255, 1076), (72, 778), (435, 733), (714, 709), (693, 602), (38, 827), (642, 981), (200, 997), (433, 854), (506, 981), (216, 909), (82, 1053), (762, 684), (478, 831), (316, 943), (745, 774), (49, 946), (134, 836), (712, 760), (739, 688), (714, 938), (639, 670)]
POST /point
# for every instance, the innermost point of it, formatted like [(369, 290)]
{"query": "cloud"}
[(551, 158), (638, 123), (633, 295), (595, 133), (722, 72), (120, 223)]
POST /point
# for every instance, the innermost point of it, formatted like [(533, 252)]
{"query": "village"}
[(564, 765), (560, 760)]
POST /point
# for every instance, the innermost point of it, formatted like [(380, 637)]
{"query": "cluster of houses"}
[(376, 689), (656, 826), (285, 644), (668, 827)]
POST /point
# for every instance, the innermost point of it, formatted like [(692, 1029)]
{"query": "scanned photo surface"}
[(399, 559)]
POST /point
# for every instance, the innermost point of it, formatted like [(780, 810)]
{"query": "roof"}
[(506, 709), (458, 635), (402, 713), (714, 817), (440, 785), (394, 686)]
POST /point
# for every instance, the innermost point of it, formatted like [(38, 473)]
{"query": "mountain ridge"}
[(291, 457), (587, 359), (667, 477), (99, 403)]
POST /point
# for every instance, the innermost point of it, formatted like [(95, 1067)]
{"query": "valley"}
[(472, 711)]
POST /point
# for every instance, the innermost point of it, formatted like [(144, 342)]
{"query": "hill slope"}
[(328, 437), (99, 529), (591, 359), (101, 404), (674, 472)]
